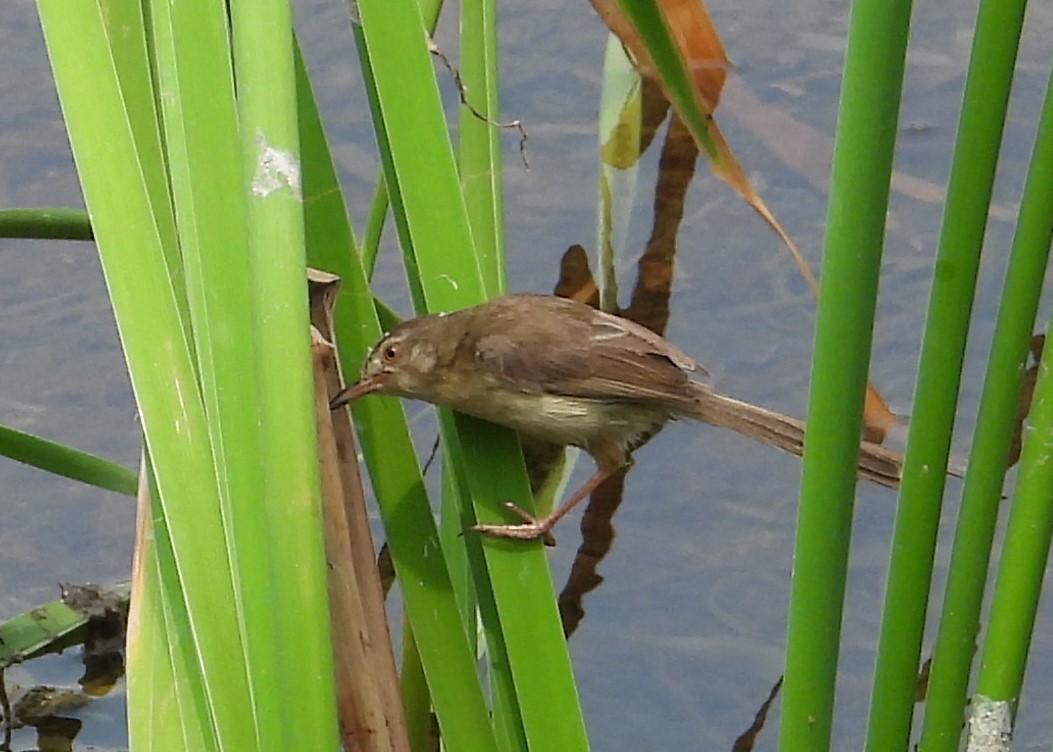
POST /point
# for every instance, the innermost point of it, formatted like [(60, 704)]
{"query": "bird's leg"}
[(540, 527)]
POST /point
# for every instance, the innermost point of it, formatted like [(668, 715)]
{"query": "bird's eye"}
[(390, 352)]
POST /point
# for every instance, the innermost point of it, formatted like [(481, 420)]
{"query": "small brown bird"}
[(565, 373)]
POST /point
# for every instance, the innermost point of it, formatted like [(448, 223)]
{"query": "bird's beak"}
[(360, 388)]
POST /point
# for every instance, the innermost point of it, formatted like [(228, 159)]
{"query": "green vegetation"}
[(210, 188)]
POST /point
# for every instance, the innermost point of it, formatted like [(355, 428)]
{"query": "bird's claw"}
[(532, 527)]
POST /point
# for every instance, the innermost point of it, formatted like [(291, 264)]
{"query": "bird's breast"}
[(561, 419)]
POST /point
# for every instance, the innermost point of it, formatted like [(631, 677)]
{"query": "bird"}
[(562, 372)]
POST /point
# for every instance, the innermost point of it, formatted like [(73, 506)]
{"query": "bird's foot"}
[(532, 527)]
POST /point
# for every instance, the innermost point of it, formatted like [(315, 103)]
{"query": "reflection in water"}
[(649, 307)]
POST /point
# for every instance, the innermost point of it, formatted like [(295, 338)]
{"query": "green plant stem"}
[(479, 146), (163, 667), (1026, 548), (378, 207), (445, 273), (50, 224), (270, 148), (374, 227), (970, 556), (939, 373), (447, 661), (1023, 564), (65, 461), (866, 134)]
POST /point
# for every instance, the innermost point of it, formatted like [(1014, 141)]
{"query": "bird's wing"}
[(593, 355)]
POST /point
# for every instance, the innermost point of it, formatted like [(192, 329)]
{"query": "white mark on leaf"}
[(275, 169), (990, 725)]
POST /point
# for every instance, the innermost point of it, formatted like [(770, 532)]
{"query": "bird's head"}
[(405, 363)]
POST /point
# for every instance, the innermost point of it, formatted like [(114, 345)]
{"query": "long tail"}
[(876, 463)]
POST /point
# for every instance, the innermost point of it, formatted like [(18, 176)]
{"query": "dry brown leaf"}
[(700, 46), (695, 35), (878, 420)]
